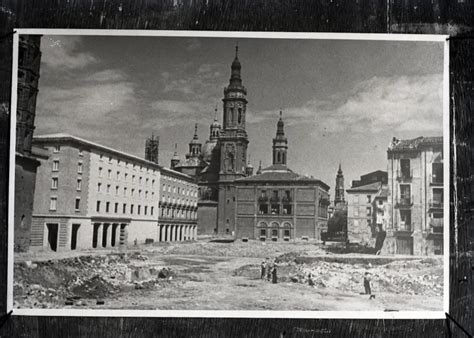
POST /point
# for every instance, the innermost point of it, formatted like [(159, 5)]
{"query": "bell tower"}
[(233, 141), (280, 144), (339, 198)]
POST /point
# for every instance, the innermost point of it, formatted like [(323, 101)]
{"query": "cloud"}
[(62, 52), (197, 83), (397, 103), (93, 102), (174, 112)]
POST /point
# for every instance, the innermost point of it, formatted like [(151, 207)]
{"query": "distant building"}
[(279, 204), (337, 212), (178, 207), (372, 177), (360, 226), (26, 157), (91, 196), (416, 196), (152, 147)]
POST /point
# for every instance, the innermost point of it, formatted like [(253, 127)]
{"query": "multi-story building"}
[(91, 196), (277, 203), (415, 200), (360, 227), (178, 207)]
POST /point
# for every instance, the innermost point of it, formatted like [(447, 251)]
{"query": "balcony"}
[(404, 228), (436, 205), (404, 175), (436, 226), (404, 202), (436, 180)]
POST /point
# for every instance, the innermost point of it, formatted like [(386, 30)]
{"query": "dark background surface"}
[(455, 17)]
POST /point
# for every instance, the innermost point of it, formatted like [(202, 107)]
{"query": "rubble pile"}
[(238, 249), (418, 277), (85, 280)]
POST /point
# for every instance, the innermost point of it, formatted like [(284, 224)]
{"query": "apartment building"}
[(91, 196), (415, 200)]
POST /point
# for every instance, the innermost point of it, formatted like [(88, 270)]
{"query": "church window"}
[(278, 157), (240, 115), (283, 158)]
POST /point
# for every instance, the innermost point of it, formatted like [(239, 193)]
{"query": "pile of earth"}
[(73, 280), (416, 277)]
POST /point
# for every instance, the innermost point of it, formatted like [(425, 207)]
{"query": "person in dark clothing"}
[(264, 268), (269, 271), (367, 283), (274, 274)]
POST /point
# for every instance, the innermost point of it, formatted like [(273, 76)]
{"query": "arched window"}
[(278, 157), (283, 160), (240, 115)]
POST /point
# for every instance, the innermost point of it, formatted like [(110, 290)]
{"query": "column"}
[(163, 233), (189, 234), (109, 236), (99, 235), (195, 232), (173, 233), (117, 235)]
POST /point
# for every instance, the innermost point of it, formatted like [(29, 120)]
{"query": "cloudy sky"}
[(342, 101)]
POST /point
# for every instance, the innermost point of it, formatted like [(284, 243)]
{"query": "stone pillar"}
[(117, 234), (162, 232), (109, 235), (99, 235), (173, 233), (195, 232)]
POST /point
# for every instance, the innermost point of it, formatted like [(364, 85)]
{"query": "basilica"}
[(274, 204)]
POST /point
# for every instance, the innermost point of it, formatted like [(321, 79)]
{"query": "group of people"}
[(269, 271)]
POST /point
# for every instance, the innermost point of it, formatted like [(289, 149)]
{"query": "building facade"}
[(178, 207), (416, 196), (361, 227), (91, 196), (278, 204)]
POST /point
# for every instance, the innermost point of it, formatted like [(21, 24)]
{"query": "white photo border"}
[(236, 313)]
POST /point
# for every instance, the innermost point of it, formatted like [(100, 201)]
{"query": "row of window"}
[(178, 201), (178, 213), (116, 208), (127, 164), (182, 191), (125, 177), (55, 183), (56, 166), (53, 203), (125, 191)]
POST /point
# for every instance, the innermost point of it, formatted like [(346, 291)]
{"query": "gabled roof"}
[(368, 187)]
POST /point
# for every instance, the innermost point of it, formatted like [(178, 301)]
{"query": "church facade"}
[(275, 203)]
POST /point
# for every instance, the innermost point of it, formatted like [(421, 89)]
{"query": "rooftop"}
[(280, 173), (415, 143), (60, 137), (368, 187)]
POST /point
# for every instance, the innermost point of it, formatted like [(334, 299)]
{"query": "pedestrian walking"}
[(367, 279), (264, 268)]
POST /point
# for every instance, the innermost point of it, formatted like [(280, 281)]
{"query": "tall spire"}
[(339, 198), (195, 131), (280, 143), (235, 79)]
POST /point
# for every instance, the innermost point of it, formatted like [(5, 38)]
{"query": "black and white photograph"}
[(285, 175)]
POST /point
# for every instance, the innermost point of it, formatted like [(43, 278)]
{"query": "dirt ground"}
[(226, 276)]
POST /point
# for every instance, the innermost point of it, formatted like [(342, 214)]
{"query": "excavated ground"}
[(205, 275)]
